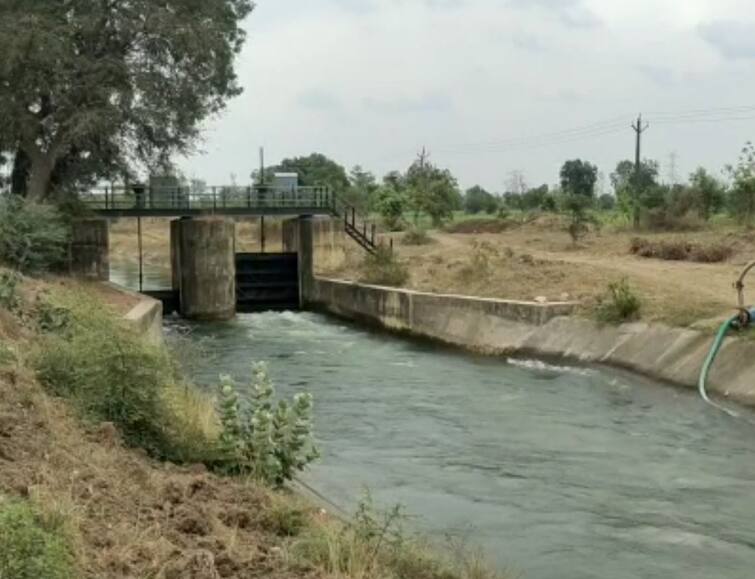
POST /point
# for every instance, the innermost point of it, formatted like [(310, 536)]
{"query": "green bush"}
[(384, 268), (267, 441), (620, 304), (30, 546), (33, 237)]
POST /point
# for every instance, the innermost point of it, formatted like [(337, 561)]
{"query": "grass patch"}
[(32, 546), (479, 266), (375, 546), (478, 225), (620, 304), (416, 236), (680, 250), (113, 375), (384, 268)]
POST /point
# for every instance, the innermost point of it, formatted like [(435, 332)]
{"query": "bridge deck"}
[(231, 201)]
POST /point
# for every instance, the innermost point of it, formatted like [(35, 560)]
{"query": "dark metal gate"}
[(267, 281)]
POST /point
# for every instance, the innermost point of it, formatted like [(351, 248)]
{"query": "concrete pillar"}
[(206, 258), (175, 252), (90, 249), (298, 237)]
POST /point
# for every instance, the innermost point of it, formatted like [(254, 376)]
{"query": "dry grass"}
[(537, 259), (680, 250)]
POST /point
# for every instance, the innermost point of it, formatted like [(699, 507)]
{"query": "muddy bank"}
[(500, 327)]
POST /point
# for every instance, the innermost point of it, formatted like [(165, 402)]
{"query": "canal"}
[(558, 472), (555, 472)]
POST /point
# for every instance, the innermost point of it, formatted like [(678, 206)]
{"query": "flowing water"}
[(557, 472)]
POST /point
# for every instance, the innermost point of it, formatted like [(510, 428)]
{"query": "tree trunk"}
[(40, 176), (20, 175)]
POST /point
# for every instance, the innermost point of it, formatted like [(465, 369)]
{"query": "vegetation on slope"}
[(93, 506)]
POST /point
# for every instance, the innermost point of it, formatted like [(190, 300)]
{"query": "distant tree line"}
[(426, 189)]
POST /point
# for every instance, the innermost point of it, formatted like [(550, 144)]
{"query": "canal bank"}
[(502, 327)]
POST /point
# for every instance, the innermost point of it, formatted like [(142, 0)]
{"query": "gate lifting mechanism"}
[(744, 319)]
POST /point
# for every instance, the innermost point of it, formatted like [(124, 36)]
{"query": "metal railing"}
[(208, 199)]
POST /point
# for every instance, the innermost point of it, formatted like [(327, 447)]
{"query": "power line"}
[(602, 128)]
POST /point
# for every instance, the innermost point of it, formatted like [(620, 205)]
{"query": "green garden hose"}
[(728, 325)]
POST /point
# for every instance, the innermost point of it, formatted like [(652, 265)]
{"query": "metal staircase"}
[(363, 233)]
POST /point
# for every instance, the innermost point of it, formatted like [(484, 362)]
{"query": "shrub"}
[(376, 546), (416, 236), (33, 237), (384, 268), (9, 296), (577, 206), (113, 374), (267, 441), (30, 546), (680, 250), (715, 253), (479, 266), (620, 304), (391, 204)]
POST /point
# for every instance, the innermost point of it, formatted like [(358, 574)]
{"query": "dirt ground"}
[(526, 261), (539, 260)]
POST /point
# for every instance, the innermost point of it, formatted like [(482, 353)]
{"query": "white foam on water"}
[(540, 366)]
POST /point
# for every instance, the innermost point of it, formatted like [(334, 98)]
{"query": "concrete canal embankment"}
[(146, 315), (503, 327)]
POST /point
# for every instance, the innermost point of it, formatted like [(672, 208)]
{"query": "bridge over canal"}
[(210, 279)]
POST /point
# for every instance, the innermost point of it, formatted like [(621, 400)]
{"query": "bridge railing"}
[(206, 199)]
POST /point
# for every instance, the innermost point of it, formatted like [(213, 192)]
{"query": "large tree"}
[(93, 88), (634, 189), (432, 190), (477, 199), (578, 178), (315, 170), (363, 187), (708, 193)]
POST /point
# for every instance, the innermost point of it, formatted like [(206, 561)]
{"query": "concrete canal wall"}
[(146, 315), (503, 327)]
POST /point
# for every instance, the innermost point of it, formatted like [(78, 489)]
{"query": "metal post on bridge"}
[(141, 253)]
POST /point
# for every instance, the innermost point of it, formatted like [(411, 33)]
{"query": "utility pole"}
[(638, 128), (423, 157), (262, 165), (264, 193)]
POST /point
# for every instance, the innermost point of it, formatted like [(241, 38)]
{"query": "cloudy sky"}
[(489, 86)]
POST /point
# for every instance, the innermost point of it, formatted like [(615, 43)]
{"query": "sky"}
[(489, 87)]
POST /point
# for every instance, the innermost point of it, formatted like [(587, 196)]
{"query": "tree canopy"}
[(92, 89), (316, 170), (578, 178), (432, 190), (477, 199), (635, 189)]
